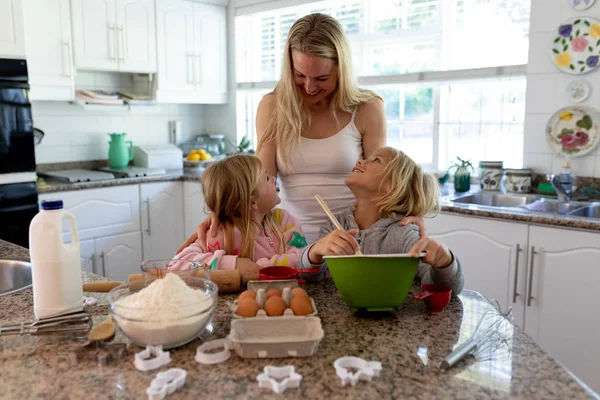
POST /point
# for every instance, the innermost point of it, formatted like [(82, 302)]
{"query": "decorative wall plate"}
[(573, 131), (576, 45), (581, 5), (579, 91)]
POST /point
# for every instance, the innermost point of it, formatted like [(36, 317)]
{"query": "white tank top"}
[(319, 166)]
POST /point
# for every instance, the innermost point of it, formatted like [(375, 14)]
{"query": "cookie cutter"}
[(144, 362), (203, 357), (165, 383), (366, 370), (279, 379)]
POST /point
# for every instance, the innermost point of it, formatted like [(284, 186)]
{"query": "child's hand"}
[(437, 254), (210, 224), (248, 268), (336, 243), (418, 221)]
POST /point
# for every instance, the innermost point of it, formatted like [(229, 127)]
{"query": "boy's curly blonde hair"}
[(412, 191)]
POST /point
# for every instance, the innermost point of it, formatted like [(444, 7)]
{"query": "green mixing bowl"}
[(378, 282)]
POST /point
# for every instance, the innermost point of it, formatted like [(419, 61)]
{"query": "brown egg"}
[(247, 294), (273, 292), (247, 307), (299, 292), (274, 306), (301, 305)]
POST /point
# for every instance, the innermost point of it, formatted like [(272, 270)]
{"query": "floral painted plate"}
[(576, 46), (581, 5), (579, 91), (573, 131)]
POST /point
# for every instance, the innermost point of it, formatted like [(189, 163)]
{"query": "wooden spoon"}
[(103, 331)]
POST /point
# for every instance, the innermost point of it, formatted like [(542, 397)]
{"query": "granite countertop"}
[(44, 366)]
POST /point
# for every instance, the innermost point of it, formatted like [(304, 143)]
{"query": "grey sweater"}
[(387, 237)]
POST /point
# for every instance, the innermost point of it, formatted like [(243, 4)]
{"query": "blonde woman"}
[(252, 233), (388, 185), (315, 124)]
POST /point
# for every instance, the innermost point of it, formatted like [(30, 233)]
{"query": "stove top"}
[(134, 172), (77, 175)]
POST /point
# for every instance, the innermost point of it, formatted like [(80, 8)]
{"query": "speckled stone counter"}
[(48, 367)]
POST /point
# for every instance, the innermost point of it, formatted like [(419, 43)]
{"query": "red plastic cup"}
[(283, 272), (436, 296)]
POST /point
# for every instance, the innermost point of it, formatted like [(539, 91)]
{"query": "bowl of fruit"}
[(197, 158)]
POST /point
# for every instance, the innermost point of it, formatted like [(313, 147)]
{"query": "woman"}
[(315, 124)]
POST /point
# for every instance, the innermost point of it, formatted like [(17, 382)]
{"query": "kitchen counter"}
[(41, 366)]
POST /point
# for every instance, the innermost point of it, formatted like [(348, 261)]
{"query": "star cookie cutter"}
[(279, 379), (165, 383), (144, 362), (366, 370), (204, 357)]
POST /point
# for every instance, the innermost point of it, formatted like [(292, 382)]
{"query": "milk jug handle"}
[(72, 228)]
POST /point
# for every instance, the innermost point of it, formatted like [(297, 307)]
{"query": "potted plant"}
[(243, 147), (462, 176)]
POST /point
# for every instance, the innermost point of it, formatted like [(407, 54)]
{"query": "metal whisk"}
[(491, 337), (77, 322)]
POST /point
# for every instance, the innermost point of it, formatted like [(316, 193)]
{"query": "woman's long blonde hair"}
[(411, 190), (228, 187), (322, 36)]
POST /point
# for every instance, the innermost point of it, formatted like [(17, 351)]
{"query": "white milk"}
[(55, 265)]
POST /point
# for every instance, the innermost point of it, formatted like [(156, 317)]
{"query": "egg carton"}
[(280, 337), (262, 287)]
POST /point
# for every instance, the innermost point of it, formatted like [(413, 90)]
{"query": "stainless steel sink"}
[(555, 206), (496, 199), (591, 211), (14, 276)]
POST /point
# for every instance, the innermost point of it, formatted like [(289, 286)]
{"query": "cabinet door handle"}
[(531, 259), (198, 69), (147, 201), (111, 43), (190, 70), (93, 258), (121, 43), (103, 265), (515, 284), (67, 55)]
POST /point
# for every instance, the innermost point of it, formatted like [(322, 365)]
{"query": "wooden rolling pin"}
[(228, 281)]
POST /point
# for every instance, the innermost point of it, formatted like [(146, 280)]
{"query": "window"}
[(451, 72)]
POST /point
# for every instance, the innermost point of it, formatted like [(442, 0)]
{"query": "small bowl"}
[(171, 331), (436, 296)]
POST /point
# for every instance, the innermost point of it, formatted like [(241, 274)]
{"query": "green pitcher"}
[(118, 154)]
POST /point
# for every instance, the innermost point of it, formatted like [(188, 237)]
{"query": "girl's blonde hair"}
[(322, 36), (228, 187), (412, 191)]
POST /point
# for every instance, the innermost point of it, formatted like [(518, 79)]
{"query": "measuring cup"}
[(279, 272)]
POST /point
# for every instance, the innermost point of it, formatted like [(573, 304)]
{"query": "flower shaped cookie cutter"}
[(144, 362), (279, 379), (204, 357), (366, 370), (165, 383)]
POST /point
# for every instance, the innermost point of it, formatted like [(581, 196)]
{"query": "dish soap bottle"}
[(566, 178), (55, 265)]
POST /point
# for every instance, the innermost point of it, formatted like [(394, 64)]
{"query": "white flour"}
[(166, 312)]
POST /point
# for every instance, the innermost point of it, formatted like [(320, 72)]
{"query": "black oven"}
[(18, 206), (16, 124)]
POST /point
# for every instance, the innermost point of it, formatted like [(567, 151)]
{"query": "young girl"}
[(252, 233), (388, 186)]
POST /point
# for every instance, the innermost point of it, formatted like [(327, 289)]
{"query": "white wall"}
[(547, 88), (73, 134)]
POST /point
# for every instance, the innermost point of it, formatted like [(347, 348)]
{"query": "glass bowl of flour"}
[(169, 311)]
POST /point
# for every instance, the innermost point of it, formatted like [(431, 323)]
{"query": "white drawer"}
[(101, 212)]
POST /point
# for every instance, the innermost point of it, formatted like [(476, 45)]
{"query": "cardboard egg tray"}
[(262, 287), (295, 336)]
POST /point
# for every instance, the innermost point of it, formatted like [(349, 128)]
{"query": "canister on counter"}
[(490, 174), (517, 180)]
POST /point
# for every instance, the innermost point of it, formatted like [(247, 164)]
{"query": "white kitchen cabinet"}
[(101, 212), (493, 256), (162, 219), (49, 51), (114, 35), (562, 313), (118, 256), (194, 208), (192, 52), (12, 36), (87, 253)]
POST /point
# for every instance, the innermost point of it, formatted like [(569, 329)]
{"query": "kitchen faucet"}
[(564, 195)]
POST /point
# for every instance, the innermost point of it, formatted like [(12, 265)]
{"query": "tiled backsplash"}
[(547, 89), (75, 134)]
